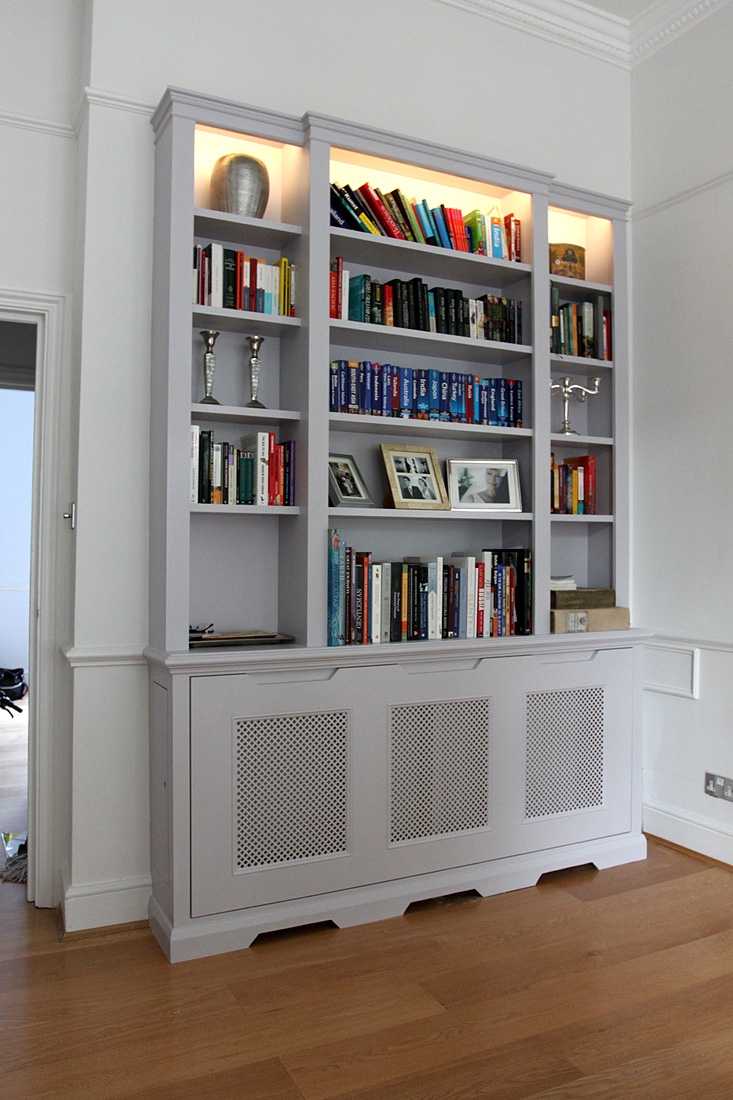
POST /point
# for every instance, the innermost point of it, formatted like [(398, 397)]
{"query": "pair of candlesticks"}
[(255, 342)]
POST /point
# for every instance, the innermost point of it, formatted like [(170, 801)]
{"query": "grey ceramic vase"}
[(240, 185)]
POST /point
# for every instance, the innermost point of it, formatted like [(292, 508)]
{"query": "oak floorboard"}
[(324, 1072), (609, 984)]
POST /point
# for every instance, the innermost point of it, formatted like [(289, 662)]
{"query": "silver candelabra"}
[(209, 338), (254, 372), (568, 390)]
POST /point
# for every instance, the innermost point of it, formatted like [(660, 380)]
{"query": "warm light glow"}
[(211, 144)]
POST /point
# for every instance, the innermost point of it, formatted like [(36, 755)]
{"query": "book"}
[(194, 455), (259, 444), (584, 620), (571, 599), (336, 586)]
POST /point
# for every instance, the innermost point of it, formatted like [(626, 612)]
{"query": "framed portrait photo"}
[(414, 477), (484, 485), (346, 486)]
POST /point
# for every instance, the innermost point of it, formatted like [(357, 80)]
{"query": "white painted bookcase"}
[(298, 783)]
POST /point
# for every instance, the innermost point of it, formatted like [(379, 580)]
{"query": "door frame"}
[(46, 311)]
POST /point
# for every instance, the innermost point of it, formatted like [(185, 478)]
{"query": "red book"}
[(387, 304), (271, 470), (332, 294), (380, 211), (588, 464), (512, 226), (459, 229), (607, 350)]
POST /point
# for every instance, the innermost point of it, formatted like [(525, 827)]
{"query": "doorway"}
[(17, 408)]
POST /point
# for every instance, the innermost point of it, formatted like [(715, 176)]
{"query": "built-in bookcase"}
[(338, 733)]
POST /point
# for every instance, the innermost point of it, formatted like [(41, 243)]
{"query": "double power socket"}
[(719, 786)]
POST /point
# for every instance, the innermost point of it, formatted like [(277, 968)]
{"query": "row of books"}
[(259, 471), (383, 389), (580, 328), (411, 304), (227, 279), (573, 485), (366, 209), (462, 596)]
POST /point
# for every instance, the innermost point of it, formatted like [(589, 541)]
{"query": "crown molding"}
[(564, 22), (93, 97), (664, 22), (679, 197), (583, 27), (38, 125)]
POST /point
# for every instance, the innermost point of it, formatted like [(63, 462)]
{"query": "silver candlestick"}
[(568, 390), (209, 337), (254, 372)]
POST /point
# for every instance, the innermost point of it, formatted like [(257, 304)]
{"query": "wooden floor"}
[(612, 984)]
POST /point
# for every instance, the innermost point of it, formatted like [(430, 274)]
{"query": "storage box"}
[(568, 260)]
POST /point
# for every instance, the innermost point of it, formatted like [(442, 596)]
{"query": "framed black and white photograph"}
[(414, 477), (346, 486), (485, 485)]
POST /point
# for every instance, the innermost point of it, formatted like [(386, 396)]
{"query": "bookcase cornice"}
[(588, 202), (425, 154), (224, 114)]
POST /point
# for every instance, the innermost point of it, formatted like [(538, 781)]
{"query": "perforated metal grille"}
[(291, 782), (439, 758), (564, 752)]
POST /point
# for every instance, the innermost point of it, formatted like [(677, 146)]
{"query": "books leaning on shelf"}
[(227, 279), (580, 328), (259, 471), (383, 389), (573, 486), (411, 304), (367, 209), (460, 596)]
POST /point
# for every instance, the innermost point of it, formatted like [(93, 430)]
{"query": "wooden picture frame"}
[(484, 485), (346, 486), (414, 476)]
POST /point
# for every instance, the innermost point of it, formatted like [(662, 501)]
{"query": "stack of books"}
[(579, 610)]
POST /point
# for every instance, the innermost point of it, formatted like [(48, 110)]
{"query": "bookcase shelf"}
[(350, 744)]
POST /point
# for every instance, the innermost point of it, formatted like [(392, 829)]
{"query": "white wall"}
[(418, 67), (682, 100)]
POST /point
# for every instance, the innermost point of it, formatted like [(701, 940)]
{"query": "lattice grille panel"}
[(564, 752), (439, 758), (291, 781)]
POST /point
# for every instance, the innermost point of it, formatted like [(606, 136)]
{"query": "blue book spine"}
[(333, 390), (511, 389), (368, 388), (502, 402), (362, 385), (455, 405), (444, 395), (519, 404), (376, 389), (483, 401), (432, 320), (493, 401), (343, 386), (434, 394), (437, 214), (405, 392), (496, 249), (336, 578), (423, 395), (353, 369), (387, 369)]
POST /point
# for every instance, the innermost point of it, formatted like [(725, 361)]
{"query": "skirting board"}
[(698, 834), (99, 904), (364, 904)]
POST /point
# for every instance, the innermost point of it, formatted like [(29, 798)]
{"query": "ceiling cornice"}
[(583, 27)]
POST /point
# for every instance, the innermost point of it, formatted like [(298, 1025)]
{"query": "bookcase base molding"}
[(312, 786)]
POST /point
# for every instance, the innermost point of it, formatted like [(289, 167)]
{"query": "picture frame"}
[(414, 476), (484, 485), (346, 486)]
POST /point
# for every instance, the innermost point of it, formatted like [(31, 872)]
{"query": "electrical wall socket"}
[(719, 786)]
